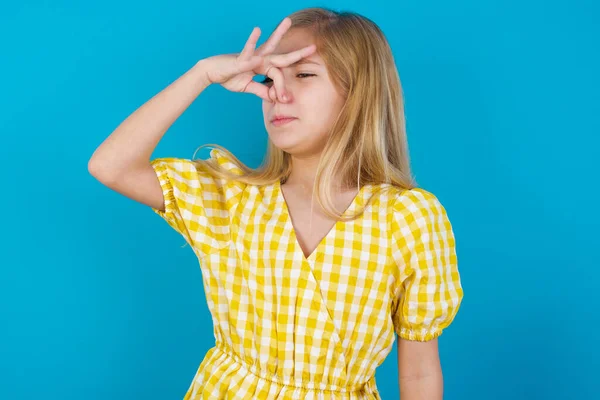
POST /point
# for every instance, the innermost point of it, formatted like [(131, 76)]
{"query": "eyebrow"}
[(304, 61)]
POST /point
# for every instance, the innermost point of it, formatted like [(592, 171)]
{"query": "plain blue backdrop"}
[(98, 298)]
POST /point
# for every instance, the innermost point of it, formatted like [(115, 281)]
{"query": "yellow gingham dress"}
[(291, 327)]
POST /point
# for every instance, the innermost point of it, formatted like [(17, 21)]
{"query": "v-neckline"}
[(289, 225)]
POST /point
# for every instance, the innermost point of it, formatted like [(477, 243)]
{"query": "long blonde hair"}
[(367, 143)]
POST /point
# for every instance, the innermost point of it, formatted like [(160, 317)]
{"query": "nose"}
[(285, 97)]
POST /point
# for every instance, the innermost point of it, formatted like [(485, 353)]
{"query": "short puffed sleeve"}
[(428, 290), (198, 205)]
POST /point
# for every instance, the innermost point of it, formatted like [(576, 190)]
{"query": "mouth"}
[(279, 121)]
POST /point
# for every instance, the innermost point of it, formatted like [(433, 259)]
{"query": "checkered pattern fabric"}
[(288, 326)]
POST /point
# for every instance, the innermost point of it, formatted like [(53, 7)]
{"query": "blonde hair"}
[(367, 143)]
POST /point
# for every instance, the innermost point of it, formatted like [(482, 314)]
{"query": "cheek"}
[(266, 107), (324, 108)]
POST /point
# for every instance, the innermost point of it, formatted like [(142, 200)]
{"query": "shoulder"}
[(417, 210), (176, 173), (416, 201), (190, 174), (413, 197), (225, 161), (217, 157), (173, 164)]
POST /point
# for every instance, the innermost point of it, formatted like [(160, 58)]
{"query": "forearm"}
[(422, 387), (134, 140)]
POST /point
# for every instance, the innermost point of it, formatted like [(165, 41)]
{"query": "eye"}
[(268, 80)]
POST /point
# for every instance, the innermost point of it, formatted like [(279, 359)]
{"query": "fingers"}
[(278, 84), (283, 60), (250, 44), (264, 92), (258, 89), (273, 94), (271, 43), (250, 64)]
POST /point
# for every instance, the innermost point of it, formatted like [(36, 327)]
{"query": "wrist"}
[(201, 69)]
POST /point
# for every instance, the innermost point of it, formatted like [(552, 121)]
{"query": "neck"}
[(304, 172)]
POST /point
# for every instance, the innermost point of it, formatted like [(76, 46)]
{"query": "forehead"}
[(295, 39)]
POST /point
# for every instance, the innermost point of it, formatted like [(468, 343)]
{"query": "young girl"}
[(306, 296)]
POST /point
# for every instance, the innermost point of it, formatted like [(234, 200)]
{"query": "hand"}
[(235, 71)]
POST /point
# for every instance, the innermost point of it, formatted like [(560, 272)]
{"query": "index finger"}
[(271, 43), (283, 60)]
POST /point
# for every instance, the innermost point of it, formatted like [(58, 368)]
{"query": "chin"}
[(286, 144), (297, 148), (292, 141)]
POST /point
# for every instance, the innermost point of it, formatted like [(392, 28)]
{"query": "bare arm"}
[(419, 370), (122, 161)]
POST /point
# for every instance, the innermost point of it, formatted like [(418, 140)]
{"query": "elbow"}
[(92, 166), (101, 171)]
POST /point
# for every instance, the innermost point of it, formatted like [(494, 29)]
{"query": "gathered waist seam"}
[(227, 351)]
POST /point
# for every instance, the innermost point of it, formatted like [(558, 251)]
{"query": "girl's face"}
[(312, 100)]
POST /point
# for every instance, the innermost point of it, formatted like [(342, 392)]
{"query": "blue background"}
[(99, 300)]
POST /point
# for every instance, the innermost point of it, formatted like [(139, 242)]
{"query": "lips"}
[(283, 121), (282, 118)]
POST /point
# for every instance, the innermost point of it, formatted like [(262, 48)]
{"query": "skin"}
[(312, 98), (419, 370)]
